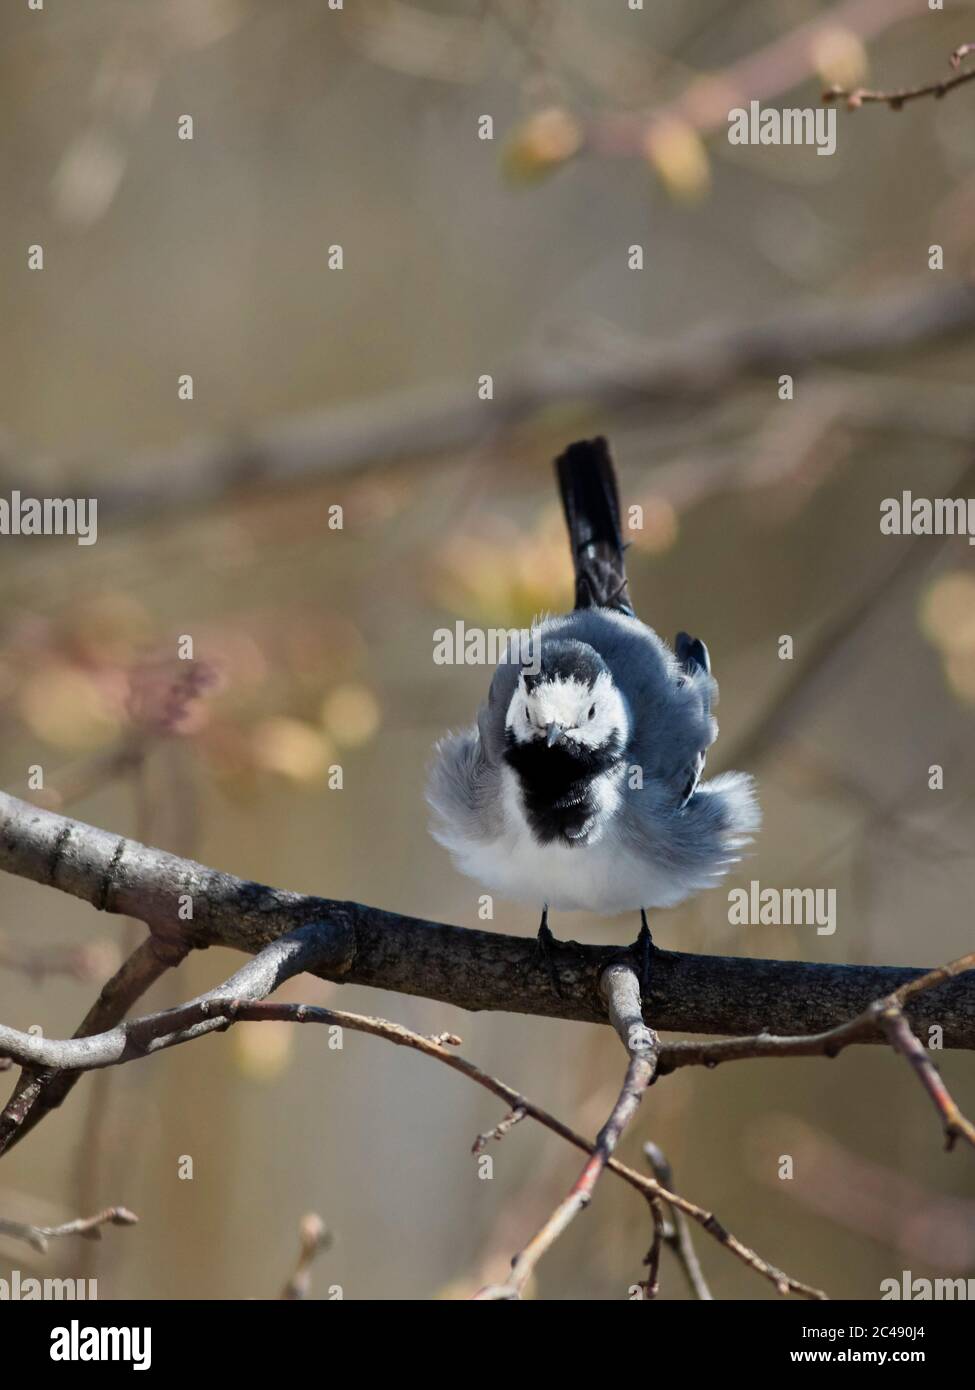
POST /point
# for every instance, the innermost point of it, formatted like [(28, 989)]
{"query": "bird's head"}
[(570, 703)]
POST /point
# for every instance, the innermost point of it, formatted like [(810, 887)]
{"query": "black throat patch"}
[(557, 785)]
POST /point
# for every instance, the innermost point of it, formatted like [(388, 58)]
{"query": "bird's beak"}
[(552, 732)]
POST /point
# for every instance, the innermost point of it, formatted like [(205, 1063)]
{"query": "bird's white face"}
[(570, 710)]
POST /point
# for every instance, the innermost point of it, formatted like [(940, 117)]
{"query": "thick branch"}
[(473, 970)]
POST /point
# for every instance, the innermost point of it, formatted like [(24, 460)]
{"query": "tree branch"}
[(90, 1226), (419, 423), (860, 96), (678, 1235), (231, 1002), (218, 1010), (621, 990), (471, 969), (39, 1092)]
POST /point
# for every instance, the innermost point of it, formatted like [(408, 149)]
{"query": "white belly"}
[(600, 877)]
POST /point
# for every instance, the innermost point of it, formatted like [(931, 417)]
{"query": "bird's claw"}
[(643, 949), (545, 953)]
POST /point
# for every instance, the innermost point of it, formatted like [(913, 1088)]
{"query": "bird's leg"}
[(545, 953), (643, 948)]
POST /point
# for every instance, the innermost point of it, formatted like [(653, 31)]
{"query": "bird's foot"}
[(545, 952), (643, 949)]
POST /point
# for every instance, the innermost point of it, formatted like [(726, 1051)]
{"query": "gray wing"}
[(667, 815), (698, 829), (700, 841)]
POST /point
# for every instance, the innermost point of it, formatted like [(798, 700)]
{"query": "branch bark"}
[(471, 969)]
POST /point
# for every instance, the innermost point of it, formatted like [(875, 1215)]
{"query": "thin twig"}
[(502, 1128), (651, 1285), (37, 1093), (860, 96), (678, 1234), (87, 1226), (621, 989), (212, 1012), (764, 73), (903, 1040), (885, 1017)]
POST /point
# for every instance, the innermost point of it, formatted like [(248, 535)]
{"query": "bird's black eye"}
[(592, 711)]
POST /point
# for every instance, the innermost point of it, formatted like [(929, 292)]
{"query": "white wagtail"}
[(579, 787)]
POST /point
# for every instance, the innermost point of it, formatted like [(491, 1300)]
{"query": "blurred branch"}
[(860, 96), (89, 1226), (314, 1238), (84, 963), (410, 424), (866, 1197), (799, 687)]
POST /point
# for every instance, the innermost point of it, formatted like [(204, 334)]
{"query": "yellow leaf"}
[(839, 57), (539, 145), (676, 152)]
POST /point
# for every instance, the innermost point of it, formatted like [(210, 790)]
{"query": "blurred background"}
[(316, 387)]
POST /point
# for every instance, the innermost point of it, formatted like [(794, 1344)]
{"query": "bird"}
[(579, 786)]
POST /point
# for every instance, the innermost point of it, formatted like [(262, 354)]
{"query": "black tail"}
[(587, 483)]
